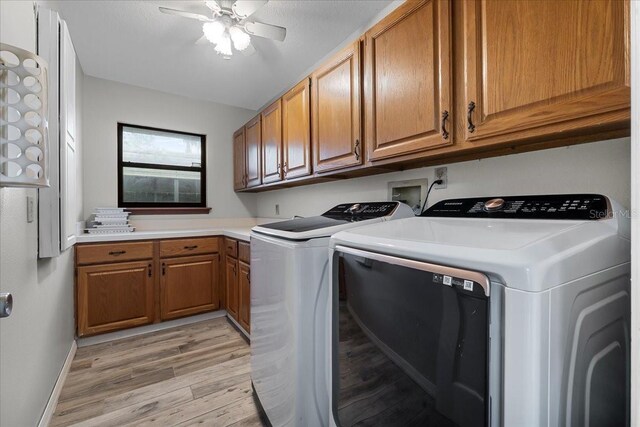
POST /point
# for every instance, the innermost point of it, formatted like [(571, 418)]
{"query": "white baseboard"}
[(112, 336), (57, 389)]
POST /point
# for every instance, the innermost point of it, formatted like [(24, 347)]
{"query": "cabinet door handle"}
[(284, 169), (190, 248), (248, 277), (163, 268), (116, 253), (234, 270), (470, 126), (149, 270), (356, 149), (445, 116)]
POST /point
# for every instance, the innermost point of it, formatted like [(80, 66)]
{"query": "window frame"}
[(169, 207)]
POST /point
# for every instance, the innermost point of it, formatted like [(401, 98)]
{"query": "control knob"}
[(354, 208), (493, 205)]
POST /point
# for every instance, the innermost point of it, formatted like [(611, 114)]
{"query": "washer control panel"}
[(361, 211), (565, 206)]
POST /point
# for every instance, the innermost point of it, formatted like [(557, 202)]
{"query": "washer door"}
[(410, 343)]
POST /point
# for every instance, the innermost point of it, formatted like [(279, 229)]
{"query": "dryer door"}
[(410, 342)]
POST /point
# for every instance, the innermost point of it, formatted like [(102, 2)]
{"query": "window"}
[(160, 168)]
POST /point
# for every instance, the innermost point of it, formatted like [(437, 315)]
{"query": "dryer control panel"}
[(556, 206), (361, 211)]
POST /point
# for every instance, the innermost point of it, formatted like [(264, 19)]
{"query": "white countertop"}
[(240, 233)]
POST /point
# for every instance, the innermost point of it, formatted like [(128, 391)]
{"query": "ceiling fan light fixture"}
[(223, 47), (240, 39), (213, 31)]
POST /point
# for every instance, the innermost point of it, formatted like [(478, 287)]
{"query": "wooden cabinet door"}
[(244, 310), (538, 67), (114, 296), (272, 143), (188, 285), (232, 287), (335, 110), (407, 77), (253, 142), (239, 160), (296, 131)]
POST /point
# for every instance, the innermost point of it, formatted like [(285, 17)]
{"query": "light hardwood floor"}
[(190, 375)]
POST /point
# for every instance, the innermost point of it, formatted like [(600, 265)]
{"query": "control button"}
[(493, 205)]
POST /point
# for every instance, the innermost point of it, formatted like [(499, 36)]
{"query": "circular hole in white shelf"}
[(13, 115), (31, 66), (33, 136), (34, 171), (13, 97), (32, 84), (33, 118), (34, 154), (11, 131), (11, 151), (9, 59), (12, 78), (11, 169), (32, 101)]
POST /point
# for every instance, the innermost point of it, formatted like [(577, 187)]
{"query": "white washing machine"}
[(289, 306), (511, 311)]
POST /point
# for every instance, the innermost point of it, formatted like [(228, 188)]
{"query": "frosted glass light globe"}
[(240, 39), (213, 31)]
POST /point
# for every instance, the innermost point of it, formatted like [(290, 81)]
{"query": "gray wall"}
[(599, 167), (106, 103), (36, 339)]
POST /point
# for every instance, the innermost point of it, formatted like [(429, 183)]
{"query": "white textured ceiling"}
[(132, 42)]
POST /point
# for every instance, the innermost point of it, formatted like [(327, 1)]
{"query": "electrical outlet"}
[(277, 209), (30, 208), (440, 173)]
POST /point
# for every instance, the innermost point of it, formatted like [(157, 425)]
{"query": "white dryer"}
[(289, 306), (511, 311)]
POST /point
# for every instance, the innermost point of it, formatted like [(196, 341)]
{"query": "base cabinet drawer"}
[(186, 247), (114, 296), (188, 285), (113, 252)]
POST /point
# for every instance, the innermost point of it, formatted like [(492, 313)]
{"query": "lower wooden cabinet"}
[(238, 282), (188, 285), (121, 285), (244, 287), (231, 276), (114, 296)]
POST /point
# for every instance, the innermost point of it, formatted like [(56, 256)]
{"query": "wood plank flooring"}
[(191, 375)]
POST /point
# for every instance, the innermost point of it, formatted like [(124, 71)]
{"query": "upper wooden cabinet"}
[(253, 150), (537, 68), (296, 131), (335, 112), (239, 160), (437, 81), (272, 142), (407, 80)]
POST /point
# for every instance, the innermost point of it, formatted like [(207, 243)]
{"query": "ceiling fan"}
[(229, 26)]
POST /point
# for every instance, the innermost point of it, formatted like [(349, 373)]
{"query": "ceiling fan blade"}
[(202, 41), (244, 8), (250, 50), (214, 6), (267, 31), (184, 14)]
